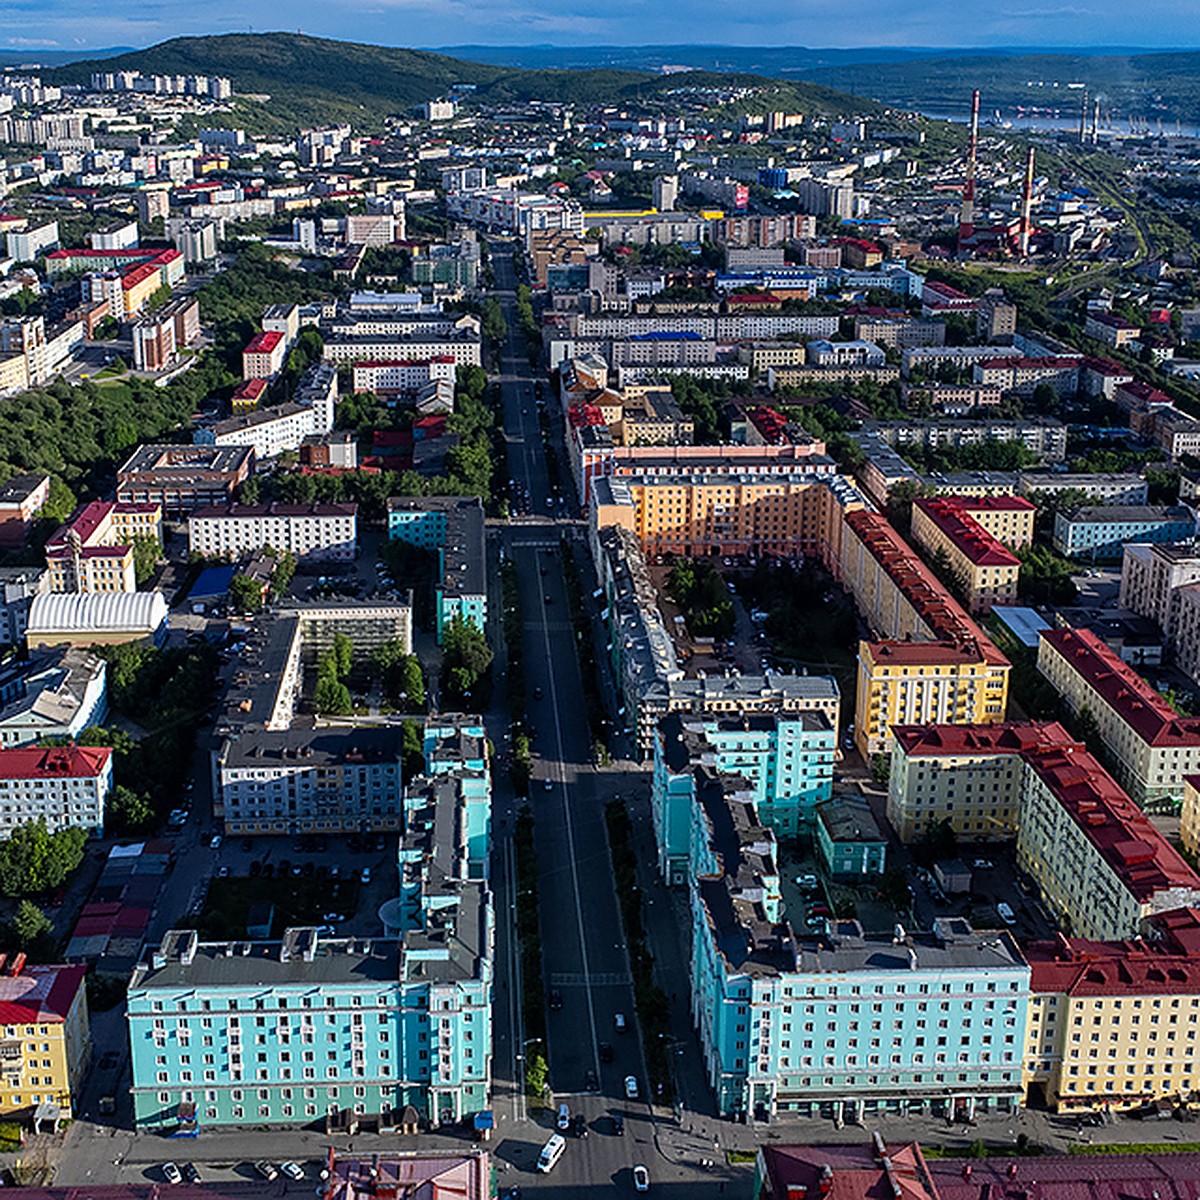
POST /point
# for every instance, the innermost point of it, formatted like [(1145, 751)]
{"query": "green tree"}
[(34, 860), (284, 573), (412, 683), (129, 811), (245, 594), (332, 698), (494, 325), (343, 654), (466, 655), (147, 551), (29, 924)]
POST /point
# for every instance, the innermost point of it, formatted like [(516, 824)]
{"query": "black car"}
[(255, 869), (606, 1052), (618, 1125), (538, 693), (190, 1174), (591, 1082), (556, 1000), (579, 1125)]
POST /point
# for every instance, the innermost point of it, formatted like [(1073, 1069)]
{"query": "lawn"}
[(298, 901)]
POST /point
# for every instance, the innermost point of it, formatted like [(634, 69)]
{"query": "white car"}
[(641, 1179), (171, 1173), (215, 841), (365, 875), (292, 1170), (631, 1087)]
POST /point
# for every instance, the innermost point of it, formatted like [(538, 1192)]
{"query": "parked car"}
[(292, 1170), (590, 1081), (266, 1170), (214, 843), (619, 1022), (641, 1179), (564, 1117), (579, 1125), (807, 882), (190, 1174), (606, 1052), (618, 1125), (171, 1173), (631, 1087), (365, 875), (556, 1000)]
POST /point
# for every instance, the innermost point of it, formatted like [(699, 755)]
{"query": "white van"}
[(552, 1151)]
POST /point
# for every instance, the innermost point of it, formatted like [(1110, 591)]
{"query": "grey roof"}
[(313, 748), (185, 460)]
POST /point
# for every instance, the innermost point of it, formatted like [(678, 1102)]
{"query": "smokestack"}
[(1083, 116), (1096, 123), (1026, 207), (966, 221)]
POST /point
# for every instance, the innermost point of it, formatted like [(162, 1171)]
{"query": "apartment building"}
[(859, 353), (247, 396), (1043, 436), (62, 786), (782, 1016), (1189, 815), (1155, 578), (453, 528), (281, 1033), (933, 664), (264, 355), (785, 761), (1023, 375), (1113, 1025), (93, 551), (1152, 747), (1112, 330), (55, 695), (1101, 531), (47, 1041), (693, 511), (309, 781), (462, 346), (984, 569), (267, 431), (397, 376), (159, 336), (898, 331), (964, 776), (179, 478), (1100, 864), (316, 532), (1108, 490), (21, 499), (996, 318)]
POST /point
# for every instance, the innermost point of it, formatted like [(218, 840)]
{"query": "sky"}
[(77, 24)]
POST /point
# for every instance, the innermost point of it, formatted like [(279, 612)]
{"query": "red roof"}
[(847, 1172), (1106, 366), (1139, 705), (1078, 967), (264, 343), (405, 362), (39, 995), (1017, 363), (1140, 857), (950, 515), (139, 275), (85, 521), (945, 617), (1010, 737), (67, 762), (945, 291), (252, 389), (128, 252)]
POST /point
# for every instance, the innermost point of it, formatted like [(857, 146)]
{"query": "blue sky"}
[(72, 24)]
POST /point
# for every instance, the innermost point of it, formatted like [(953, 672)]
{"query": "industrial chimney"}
[(966, 221)]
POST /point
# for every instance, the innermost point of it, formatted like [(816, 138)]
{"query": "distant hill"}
[(1165, 85), (56, 58), (317, 79)]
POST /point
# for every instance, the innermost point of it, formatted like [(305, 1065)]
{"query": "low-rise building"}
[(264, 355), (1152, 747), (64, 787), (267, 431), (1115, 489), (55, 695), (849, 840), (21, 499), (97, 619), (1101, 531), (179, 478), (47, 1037), (318, 532), (93, 551), (1189, 815)]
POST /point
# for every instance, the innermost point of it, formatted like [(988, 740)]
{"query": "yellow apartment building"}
[(983, 568), (1114, 1025), (966, 776), (45, 1041)]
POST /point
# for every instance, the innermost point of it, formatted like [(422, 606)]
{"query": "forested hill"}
[(316, 79)]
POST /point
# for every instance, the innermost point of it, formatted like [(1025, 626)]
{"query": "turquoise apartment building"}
[(784, 761), (457, 759), (846, 1023), (453, 528)]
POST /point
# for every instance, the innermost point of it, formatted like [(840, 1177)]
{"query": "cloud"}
[(33, 43)]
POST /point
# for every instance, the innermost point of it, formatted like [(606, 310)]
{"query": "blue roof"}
[(212, 582)]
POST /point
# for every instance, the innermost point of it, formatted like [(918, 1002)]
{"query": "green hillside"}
[(315, 79)]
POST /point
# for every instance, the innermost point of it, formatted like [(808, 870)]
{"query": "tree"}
[(128, 811), (466, 655), (245, 594), (34, 860), (29, 924), (343, 654), (332, 698), (284, 573), (412, 683), (147, 551)]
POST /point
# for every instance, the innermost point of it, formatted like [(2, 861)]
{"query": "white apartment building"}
[(64, 786), (270, 431), (318, 532)]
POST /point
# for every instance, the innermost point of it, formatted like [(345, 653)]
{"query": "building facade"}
[(62, 786), (316, 532)]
